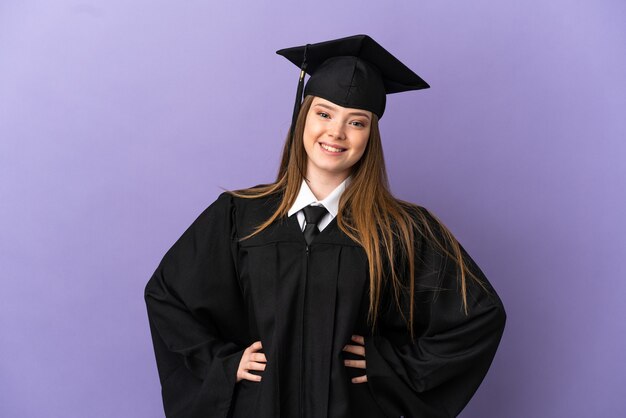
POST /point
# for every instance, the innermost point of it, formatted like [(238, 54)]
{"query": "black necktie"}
[(312, 214)]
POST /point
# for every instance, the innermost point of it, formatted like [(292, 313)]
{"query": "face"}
[(335, 138)]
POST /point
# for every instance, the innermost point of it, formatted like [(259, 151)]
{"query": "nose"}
[(337, 130)]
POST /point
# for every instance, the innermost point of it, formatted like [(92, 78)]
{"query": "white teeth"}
[(329, 148)]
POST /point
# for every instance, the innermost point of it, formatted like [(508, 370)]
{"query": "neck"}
[(322, 184)]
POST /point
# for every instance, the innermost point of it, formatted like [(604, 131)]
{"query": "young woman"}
[(320, 294)]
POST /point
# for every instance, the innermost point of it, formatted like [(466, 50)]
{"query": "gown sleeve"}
[(436, 375), (197, 316)]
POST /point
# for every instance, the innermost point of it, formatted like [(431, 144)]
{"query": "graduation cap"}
[(351, 72)]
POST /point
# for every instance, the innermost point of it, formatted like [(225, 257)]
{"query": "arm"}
[(436, 375), (197, 316)]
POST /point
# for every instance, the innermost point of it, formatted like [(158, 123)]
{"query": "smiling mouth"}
[(332, 149)]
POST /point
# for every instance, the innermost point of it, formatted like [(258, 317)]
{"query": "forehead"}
[(331, 105)]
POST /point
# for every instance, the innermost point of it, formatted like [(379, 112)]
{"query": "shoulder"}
[(250, 198), (423, 218), (432, 239), (235, 197), (249, 207)]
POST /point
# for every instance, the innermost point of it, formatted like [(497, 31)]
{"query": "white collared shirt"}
[(306, 198)]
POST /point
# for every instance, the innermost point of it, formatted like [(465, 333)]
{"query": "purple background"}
[(120, 120)]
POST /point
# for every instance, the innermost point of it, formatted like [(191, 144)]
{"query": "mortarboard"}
[(351, 72)]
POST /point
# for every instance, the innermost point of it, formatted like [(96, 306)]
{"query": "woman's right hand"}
[(251, 360)]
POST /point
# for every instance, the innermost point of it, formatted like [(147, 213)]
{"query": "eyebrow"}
[(352, 113)]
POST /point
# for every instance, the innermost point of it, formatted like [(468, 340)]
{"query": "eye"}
[(323, 114), (359, 124)]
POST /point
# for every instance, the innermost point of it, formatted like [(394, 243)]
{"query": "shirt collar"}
[(331, 202)]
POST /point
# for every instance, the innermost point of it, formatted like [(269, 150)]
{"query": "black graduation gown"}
[(212, 296)]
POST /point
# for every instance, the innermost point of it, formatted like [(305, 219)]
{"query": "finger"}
[(254, 347), (356, 349), (258, 357), (360, 379), (250, 376), (252, 365), (359, 339), (360, 364)]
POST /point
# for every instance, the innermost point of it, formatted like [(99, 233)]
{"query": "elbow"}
[(147, 290), (497, 314), (152, 291), (499, 320), (154, 287), (502, 315)]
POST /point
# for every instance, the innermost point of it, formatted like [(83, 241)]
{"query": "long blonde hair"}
[(370, 215)]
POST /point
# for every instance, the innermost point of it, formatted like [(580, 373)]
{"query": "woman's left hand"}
[(359, 350)]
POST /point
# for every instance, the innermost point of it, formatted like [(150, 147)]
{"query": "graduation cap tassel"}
[(298, 103), (296, 106)]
